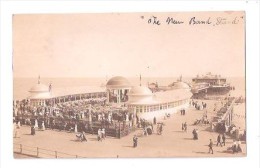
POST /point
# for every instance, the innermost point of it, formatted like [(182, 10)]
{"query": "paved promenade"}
[(172, 143)]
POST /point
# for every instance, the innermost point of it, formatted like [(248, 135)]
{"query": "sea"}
[(21, 86)]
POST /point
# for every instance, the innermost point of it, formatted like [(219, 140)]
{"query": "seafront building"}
[(42, 95), (139, 100), (145, 104), (117, 89)]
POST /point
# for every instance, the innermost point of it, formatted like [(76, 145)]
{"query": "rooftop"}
[(118, 82)]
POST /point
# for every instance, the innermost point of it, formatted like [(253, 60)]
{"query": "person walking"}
[(99, 135), (234, 147), (32, 130), (224, 139), (103, 133), (210, 146), (239, 149), (219, 140), (185, 127), (135, 139)]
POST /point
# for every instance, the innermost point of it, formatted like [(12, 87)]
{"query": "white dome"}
[(39, 88), (140, 90), (180, 85), (118, 82)]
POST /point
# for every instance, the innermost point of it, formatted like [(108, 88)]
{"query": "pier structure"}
[(225, 116)]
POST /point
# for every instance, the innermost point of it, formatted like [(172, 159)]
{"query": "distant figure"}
[(16, 131), (185, 127), (154, 120), (135, 141), (83, 137), (32, 130), (195, 134), (99, 135), (237, 133), (43, 126), (50, 87), (239, 149), (224, 139), (18, 124), (103, 133), (36, 124), (76, 128), (161, 129), (91, 130), (210, 146), (219, 140), (234, 147)]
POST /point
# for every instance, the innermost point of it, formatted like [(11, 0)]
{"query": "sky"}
[(128, 44)]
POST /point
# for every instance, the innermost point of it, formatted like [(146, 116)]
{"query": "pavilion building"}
[(117, 89), (147, 105), (39, 94)]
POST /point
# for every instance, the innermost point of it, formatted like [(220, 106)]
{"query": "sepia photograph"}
[(129, 85)]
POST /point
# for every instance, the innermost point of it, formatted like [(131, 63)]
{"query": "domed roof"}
[(180, 85), (39, 88), (140, 90), (118, 82)]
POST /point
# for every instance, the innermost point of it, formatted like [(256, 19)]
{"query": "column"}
[(89, 116), (107, 96), (118, 96), (134, 116)]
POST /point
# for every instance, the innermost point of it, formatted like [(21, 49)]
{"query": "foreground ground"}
[(172, 143)]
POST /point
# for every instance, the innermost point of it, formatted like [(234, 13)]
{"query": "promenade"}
[(172, 143)]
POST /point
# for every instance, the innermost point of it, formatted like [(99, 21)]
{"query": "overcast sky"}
[(99, 45)]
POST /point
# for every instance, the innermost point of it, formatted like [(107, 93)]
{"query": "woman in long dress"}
[(43, 126), (36, 124), (76, 128)]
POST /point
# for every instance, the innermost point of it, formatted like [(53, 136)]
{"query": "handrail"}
[(37, 152), (229, 110)]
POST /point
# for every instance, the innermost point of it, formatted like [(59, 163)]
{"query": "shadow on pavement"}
[(202, 152), (128, 146), (188, 138)]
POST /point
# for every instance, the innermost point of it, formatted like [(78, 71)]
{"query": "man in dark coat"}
[(32, 130), (210, 146), (224, 139), (135, 141), (219, 140)]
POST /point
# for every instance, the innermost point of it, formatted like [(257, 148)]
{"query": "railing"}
[(41, 152), (229, 110)]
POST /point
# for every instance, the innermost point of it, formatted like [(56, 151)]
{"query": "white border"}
[(252, 51)]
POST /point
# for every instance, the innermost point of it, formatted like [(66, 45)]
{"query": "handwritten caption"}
[(154, 20)]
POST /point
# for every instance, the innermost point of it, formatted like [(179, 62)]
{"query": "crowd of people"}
[(74, 116)]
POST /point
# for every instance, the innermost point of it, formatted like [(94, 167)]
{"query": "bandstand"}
[(117, 90)]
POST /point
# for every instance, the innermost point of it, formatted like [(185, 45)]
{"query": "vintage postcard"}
[(129, 85)]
